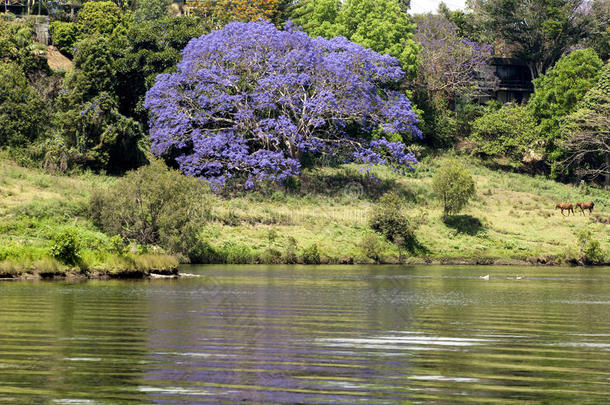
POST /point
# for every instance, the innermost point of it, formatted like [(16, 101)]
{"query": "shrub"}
[(66, 246), (371, 247), (154, 205), (454, 186), (290, 251), (311, 255), (590, 249), (64, 36), (390, 222), (509, 132)]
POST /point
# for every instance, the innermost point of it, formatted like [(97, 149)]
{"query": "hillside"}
[(511, 220)]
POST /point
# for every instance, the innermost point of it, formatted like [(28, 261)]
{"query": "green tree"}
[(389, 221), (454, 186), (154, 205), (598, 30), (101, 18), (380, 25), (24, 116), (510, 132), (537, 31), (317, 17), (64, 35), (93, 72), (95, 134), (149, 48), (557, 94), (586, 133), (150, 10)]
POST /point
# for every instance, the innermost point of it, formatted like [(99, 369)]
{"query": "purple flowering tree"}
[(248, 101)]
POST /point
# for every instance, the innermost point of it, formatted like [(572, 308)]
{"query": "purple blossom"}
[(248, 101)]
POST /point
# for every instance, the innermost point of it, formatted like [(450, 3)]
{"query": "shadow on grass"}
[(465, 224), (343, 182)]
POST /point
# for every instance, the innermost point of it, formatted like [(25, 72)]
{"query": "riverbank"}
[(320, 218), (125, 267)]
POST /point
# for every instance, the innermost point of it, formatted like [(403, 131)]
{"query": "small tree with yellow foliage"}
[(225, 11)]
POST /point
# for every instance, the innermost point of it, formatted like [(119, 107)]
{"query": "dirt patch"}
[(57, 61)]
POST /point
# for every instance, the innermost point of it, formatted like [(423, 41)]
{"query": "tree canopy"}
[(249, 101), (380, 25), (537, 31)]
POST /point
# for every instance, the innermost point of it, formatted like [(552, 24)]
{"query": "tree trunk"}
[(607, 171)]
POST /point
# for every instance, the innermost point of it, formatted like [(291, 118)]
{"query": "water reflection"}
[(311, 335)]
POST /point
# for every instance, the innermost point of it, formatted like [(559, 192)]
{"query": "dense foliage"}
[(94, 133), (154, 205), (380, 25), (249, 101), (558, 93), (586, 133), (23, 114), (454, 186), (538, 32), (389, 221), (510, 132)]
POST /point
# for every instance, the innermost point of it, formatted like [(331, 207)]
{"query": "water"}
[(290, 334)]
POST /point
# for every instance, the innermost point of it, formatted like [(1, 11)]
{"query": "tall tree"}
[(586, 133), (250, 101), (558, 93), (598, 31), (538, 31), (381, 25), (451, 65)]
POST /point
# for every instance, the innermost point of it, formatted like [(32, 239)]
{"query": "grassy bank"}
[(322, 216), (35, 206)]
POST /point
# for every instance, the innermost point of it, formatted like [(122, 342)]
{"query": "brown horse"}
[(585, 206), (565, 206)]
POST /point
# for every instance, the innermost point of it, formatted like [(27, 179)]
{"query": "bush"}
[(311, 255), (590, 249), (64, 36), (454, 186), (66, 246), (290, 251), (154, 205), (371, 247), (509, 132), (390, 222)]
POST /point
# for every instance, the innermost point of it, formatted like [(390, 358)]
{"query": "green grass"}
[(35, 205), (511, 220)]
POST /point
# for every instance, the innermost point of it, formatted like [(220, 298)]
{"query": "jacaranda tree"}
[(249, 101)]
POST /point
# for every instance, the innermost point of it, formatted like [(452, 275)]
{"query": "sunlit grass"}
[(511, 219)]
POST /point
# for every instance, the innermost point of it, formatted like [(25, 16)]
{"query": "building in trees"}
[(515, 80)]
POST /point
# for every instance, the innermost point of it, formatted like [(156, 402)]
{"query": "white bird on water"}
[(486, 277)]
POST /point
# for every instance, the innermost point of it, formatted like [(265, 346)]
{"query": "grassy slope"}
[(511, 219), (35, 205)]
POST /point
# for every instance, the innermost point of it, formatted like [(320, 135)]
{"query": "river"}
[(318, 334)]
